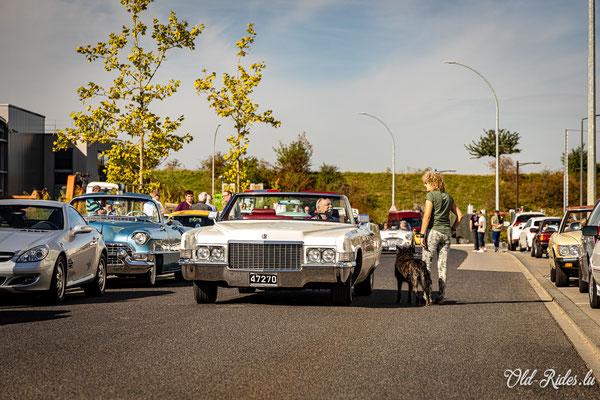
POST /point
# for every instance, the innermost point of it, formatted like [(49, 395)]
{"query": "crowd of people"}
[(478, 225)]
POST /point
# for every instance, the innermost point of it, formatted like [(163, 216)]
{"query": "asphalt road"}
[(158, 343)]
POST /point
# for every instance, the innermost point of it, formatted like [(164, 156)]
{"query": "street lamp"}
[(521, 164), (497, 125), (393, 157), (581, 163), (213, 161)]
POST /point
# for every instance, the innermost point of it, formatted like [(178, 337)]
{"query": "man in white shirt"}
[(481, 227), (150, 209)]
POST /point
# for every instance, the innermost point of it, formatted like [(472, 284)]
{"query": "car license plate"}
[(263, 279), (393, 247)]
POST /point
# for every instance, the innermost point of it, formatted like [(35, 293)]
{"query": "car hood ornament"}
[(264, 235)]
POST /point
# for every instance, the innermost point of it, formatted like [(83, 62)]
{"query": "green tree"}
[(293, 164), (233, 101), (329, 178), (220, 163), (575, 161), (123, 108), (486, 145)]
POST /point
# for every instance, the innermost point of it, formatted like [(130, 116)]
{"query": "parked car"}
[(139, 241), (398, 236), (539, 243), (277, 245), (516, 226), (565, 248), (413, 218), (591, 256), (194, 218), (527, 233), (47, 247)]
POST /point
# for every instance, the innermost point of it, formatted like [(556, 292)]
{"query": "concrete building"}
[(27, 161)]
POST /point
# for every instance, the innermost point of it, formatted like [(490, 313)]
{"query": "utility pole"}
[(591, 145)]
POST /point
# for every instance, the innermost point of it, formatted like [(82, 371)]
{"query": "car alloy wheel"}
[(58, 284), (98, 286), (593, 293)]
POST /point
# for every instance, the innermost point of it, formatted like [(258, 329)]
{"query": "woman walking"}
[(436, 229)]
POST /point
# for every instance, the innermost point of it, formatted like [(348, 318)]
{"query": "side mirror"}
[(169, 222), (590, 231), (506, 223), (575, 226), (81, 229), (363, 218), (534, 230), (213, 214)]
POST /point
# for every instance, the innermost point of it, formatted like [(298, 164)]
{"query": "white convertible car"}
[(278, 244)]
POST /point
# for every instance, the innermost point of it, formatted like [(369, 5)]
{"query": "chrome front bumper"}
[(130, 266), (309, 273)]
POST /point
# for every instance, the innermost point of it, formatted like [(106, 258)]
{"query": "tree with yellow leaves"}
[(233, 101), (124, 107)]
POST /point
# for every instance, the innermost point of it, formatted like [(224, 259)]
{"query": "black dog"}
[(414, 272)]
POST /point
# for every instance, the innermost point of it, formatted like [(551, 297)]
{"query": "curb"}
[(582, 332)]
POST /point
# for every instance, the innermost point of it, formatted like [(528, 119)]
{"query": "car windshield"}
[(193, 221), (572, 217), (117, 207), (550, 225), (270, 206), (17, 216)]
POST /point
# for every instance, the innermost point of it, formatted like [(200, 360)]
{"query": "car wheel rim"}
[(60, 277), (101, 275)]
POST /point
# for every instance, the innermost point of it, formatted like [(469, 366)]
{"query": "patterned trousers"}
[(438, 243)]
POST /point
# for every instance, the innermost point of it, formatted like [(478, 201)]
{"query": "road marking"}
[(584, 346)]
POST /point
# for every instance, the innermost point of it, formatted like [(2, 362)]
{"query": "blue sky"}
[(329, 60)]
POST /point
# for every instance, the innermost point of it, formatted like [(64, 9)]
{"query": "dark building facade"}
[(27, 161)]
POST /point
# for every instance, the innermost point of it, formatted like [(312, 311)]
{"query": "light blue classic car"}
[(139, 240)]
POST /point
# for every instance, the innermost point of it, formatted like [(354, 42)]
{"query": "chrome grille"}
[(265, 256), (6, 255), (112, 249)]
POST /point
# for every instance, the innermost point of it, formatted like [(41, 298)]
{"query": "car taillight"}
[(544, 237), (517, 223)]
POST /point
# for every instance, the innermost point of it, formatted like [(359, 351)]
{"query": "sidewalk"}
[(569, 308)]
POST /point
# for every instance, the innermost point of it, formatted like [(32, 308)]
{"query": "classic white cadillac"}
[(272, 240)]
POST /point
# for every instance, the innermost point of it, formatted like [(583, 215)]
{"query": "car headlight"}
[(575, 250), (328, 256), (203, 253), (313, 255), (217, 254), (140, 238), (34, 255), (408, 236), (563, 250)]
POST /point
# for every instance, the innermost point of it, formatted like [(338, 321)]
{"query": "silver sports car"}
[(46, 246)]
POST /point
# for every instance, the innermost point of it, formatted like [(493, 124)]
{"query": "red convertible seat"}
[(264, 213)]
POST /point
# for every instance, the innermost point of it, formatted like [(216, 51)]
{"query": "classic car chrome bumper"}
[(567, 263), (129, 265), (309, 273)]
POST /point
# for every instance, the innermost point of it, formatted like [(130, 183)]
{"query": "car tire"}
[(532, 250), (245, 290), (552, 274), (97, 286), (205, 292), (539, 253), (582, 285), (178, 276), (593, 293), (341, 293), (149, 278), (58, 284), (562, 279), (365, 288)]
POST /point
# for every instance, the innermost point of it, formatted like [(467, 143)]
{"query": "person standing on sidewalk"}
[(436, 228), (496, 222), (473, 224), (481, 227)]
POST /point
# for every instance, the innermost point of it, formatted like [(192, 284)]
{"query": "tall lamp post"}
[(497, 125), (393, 156), (521, 164), (581, 163), (213, 161)]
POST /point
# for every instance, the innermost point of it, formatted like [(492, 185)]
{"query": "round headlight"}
[(314, 255), (408, 236), (563, 250), (575, 250), (34, 255), (203, 253), (216, 253), (328, 256), (140, 237)]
